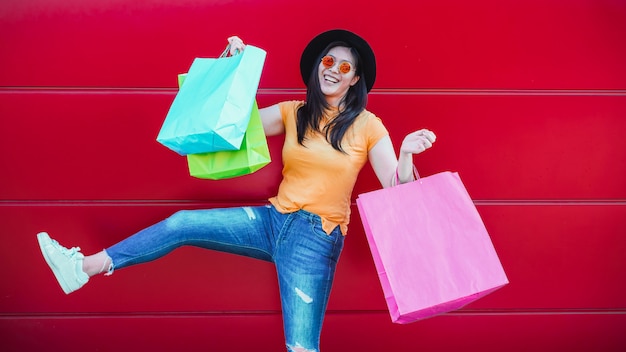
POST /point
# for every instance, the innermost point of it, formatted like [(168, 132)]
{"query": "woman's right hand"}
[(236, 45)]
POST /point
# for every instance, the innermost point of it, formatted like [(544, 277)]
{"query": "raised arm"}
[(270, 116), (272, 120)]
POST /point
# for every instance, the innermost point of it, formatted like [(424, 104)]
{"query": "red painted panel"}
[(103, 146), (550, 332), (565, 256), (342, 332), (167, 333), (531, 44), (519, 146), (556, 257), (188, 280)]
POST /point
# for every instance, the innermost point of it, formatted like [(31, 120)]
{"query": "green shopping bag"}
[(211, 112), (253, 155)]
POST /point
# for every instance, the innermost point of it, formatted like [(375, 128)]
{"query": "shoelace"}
[(71, 252)]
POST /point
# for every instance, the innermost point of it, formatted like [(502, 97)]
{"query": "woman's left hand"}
[(417, 142), (236, 45)]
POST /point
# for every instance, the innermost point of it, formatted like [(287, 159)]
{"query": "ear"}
[(354, 80)]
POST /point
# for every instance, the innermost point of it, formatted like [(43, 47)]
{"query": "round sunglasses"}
[(344, 66)]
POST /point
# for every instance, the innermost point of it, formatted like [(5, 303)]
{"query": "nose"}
[(334, 68)]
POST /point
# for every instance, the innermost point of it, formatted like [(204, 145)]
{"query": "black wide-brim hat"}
[(312, 52)]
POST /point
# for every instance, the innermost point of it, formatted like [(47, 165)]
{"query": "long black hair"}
[(352, 104)]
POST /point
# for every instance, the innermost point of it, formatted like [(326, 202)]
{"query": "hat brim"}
[(311, 54)]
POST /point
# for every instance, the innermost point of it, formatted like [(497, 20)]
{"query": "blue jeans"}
[(304, 255)]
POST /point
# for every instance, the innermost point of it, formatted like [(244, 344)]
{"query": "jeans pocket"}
[(316, 228)]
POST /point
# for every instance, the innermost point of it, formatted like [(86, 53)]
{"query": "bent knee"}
[(180, 217)]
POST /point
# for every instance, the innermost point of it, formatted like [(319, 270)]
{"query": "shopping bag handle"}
[(227, 50), (396, 179)]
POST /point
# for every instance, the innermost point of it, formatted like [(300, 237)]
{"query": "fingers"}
[(236, 44), (235, 40), (424, 136), (418, 141), (428, 134)]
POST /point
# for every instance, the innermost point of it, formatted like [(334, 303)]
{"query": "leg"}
[(246, 231), (305, 258)]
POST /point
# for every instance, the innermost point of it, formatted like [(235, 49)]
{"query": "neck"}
[(333, 102)]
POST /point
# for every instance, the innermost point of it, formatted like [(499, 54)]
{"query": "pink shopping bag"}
[(431, 249)]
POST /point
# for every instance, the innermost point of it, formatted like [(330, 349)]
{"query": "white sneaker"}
[(66, 264)]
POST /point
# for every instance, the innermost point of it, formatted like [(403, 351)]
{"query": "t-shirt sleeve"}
[(289, 108), (376, 130)]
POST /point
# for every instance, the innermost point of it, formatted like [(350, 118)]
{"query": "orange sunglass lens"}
[(345, 67), (328, 61)]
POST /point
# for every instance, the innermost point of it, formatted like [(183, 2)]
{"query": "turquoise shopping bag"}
[(212, 109)]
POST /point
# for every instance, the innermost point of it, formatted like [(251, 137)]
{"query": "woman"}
[(328, 139)]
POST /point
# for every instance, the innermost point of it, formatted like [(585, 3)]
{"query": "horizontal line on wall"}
[(552, 202), (195, 203), (128, 202), (87, 90), (548, 92), (507, 312), (230, 203), (301, 91), (252, 313), (490, 92)]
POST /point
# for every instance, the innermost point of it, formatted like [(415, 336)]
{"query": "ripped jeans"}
[(304, 255)]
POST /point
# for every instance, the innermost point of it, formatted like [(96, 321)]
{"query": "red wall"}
[(528, 99)]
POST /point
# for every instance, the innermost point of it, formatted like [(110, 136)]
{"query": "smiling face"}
[(333, 83)]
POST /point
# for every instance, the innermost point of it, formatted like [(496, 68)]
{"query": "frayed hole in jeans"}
[(305, 298), (299, 348)]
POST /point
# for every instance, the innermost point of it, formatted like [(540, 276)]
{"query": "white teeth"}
[(331, 79)]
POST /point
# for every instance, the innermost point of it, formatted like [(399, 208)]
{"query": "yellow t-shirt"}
[(318, 178)]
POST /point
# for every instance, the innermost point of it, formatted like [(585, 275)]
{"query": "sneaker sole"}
[(44, 241)]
